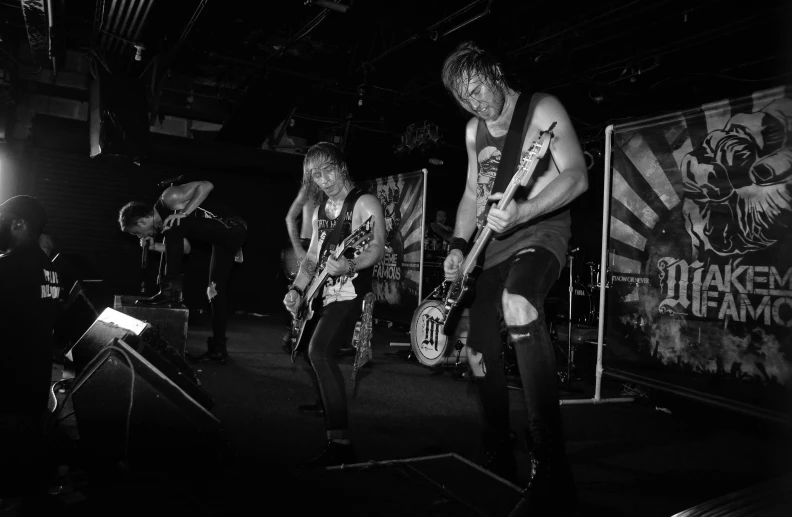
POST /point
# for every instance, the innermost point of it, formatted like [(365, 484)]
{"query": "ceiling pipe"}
[(574, 28), (468, 22), (335, 6), (311, 25), (431, 31)]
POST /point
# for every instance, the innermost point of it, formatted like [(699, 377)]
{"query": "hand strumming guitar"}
[(451, 264)]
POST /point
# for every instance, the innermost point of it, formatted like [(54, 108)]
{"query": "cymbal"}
[(442, 230)]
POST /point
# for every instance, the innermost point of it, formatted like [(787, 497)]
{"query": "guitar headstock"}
[(363, 245), (359, 236), (534, 153)]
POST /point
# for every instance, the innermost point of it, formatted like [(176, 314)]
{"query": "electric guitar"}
[(458, 290), (357, 240)]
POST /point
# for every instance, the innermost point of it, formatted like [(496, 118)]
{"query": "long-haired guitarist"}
[(520, 265), (327, 182)]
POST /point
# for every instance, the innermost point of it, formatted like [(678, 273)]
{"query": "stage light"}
[(139, 48), (422, 137)]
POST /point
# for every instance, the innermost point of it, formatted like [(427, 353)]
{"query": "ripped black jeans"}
[(530, 275)]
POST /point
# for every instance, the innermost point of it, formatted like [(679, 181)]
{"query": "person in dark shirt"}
[(184, 212), (29, 303)]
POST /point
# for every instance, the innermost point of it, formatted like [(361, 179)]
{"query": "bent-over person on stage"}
[(327, 182), (186, 212), (521, 263)]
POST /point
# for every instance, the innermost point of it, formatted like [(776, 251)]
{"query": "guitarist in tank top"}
[(521, 263), (327, 182)]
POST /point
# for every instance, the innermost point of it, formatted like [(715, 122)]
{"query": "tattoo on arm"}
[(308, 267)]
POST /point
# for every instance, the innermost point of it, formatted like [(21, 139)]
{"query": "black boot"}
[(170, 293), (216, 352), (334, 453), (551, 486), (498, 456)]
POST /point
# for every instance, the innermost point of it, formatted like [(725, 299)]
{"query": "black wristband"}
[(297, 290), (458, 243)]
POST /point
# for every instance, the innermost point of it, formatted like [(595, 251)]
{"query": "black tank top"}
[(340, 288), (551, 231)]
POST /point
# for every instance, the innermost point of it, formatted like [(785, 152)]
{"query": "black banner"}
[(700, 263)]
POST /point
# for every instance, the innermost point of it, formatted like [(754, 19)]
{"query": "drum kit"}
[(584, 309), (429, 344)]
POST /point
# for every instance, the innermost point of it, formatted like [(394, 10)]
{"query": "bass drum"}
[(429, 344)]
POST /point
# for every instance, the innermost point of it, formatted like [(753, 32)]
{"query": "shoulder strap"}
[(346, 210), (512, 148)]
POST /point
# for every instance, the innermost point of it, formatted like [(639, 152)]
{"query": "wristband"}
[(458, 243), (351, 270), (297, 290)]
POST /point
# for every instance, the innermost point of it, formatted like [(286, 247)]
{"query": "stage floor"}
[(639, 459)]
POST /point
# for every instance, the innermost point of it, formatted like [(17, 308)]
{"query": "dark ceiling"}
[(375, 68)]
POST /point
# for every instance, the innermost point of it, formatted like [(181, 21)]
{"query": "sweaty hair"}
[(133, 212), (469, 60), (323, 154)]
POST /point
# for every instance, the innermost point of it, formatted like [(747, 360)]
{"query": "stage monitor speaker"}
[(147, 342), (128, 410)]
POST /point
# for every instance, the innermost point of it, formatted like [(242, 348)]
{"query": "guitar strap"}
[(346, 210), (512, 147)]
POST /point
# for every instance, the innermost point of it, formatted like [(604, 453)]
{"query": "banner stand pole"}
[(423, 234), (606, 197)]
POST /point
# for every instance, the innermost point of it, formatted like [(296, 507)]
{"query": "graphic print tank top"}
[(551, 231), (341, 288)]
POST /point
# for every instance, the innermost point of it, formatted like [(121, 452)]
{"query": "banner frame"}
[(606, 198), (423, 233), (613, 373)]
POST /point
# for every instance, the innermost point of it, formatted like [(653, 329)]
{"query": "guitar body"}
[(305, 312), (298, 329), (460, 295)]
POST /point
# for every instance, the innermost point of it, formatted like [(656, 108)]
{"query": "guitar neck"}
[(484, 237), (486, 234)]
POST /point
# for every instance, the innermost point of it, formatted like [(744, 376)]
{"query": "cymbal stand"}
[(569, 335), (160, 269)]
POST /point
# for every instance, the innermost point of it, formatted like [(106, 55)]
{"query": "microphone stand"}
[(144, 267)]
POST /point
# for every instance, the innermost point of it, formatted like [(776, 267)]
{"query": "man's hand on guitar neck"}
[(501, 221)]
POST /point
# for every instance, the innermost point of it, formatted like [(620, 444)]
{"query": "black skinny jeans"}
[(225, 242), (530, 275), (334, 329)]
